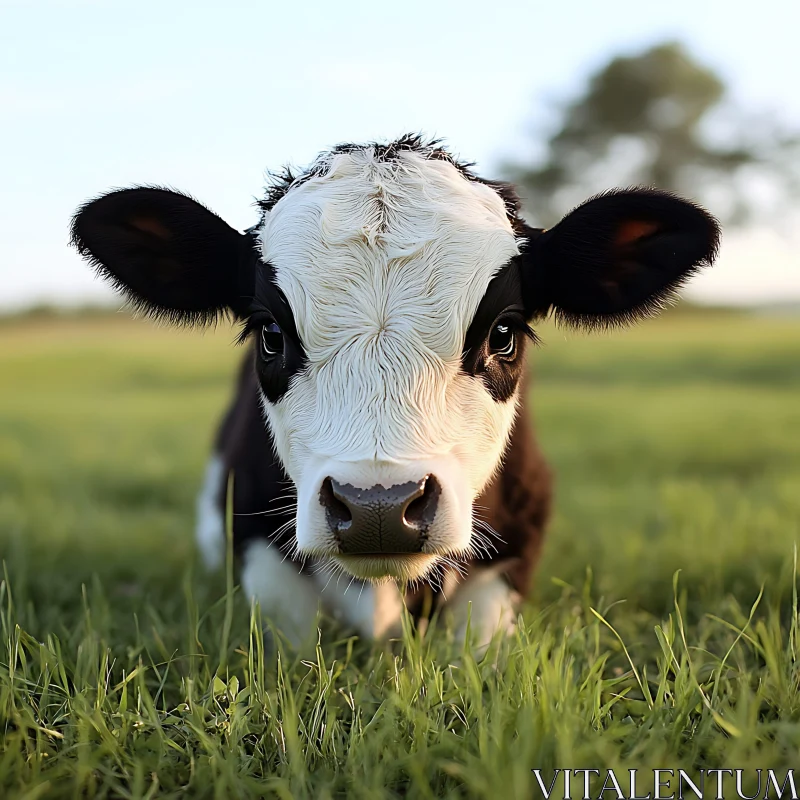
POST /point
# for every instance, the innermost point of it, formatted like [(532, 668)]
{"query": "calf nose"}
[(379, 520)]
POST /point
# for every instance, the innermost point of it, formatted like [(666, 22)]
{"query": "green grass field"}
[(663, 631)]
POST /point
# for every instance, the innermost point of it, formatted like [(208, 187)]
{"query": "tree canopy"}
[(661, 118)]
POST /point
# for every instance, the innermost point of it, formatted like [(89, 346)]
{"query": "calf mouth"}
[(402, 567)]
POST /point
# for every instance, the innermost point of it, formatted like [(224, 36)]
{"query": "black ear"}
[(168, 254), (617, 257)]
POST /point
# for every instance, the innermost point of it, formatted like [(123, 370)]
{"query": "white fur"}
[(489, 604), (287, 598), (374, 610), (384, 265), (293, 601), (210, 524)]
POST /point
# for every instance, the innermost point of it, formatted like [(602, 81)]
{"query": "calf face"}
[(389, 291)]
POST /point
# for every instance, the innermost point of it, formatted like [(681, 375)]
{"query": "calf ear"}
[(617, 257), (170, 256)]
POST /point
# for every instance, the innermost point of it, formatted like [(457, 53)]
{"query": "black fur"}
[(170, 256), (502, 301), (270, 305), (517, 503), (263, 494), (592, 274)]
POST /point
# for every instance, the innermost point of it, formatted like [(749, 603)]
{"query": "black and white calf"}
[(379, 427)]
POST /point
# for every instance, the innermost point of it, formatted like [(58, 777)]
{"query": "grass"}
[(663, 631)]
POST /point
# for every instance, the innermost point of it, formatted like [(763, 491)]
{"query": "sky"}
[(205, 96)]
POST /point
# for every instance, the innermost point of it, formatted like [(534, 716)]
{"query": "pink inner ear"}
[(632, 231), (150, 225)]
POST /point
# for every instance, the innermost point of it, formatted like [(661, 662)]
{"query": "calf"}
[(379, 430)]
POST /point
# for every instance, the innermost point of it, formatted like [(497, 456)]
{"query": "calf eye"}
[(271, 341), (503, 341)]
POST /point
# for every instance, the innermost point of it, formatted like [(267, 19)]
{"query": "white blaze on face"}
[(384, 264)]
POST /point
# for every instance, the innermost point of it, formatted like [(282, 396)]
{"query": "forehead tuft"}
[(282, 181)]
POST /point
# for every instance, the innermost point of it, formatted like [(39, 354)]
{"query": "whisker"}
[(480, 545), (270, 512), (289, 546), (327, 565), (485, 528), (287, 524), (332, 571)]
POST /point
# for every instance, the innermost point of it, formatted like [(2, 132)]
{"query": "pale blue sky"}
[(204, 96)]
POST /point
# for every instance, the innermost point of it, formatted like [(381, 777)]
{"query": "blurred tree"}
[(661, 118)]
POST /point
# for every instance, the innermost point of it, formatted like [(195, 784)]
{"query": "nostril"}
[(338, 514), (419, 513)]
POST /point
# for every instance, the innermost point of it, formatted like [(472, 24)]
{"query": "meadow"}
[(663, 631)]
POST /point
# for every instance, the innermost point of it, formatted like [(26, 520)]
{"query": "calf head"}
[(389, 292)]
